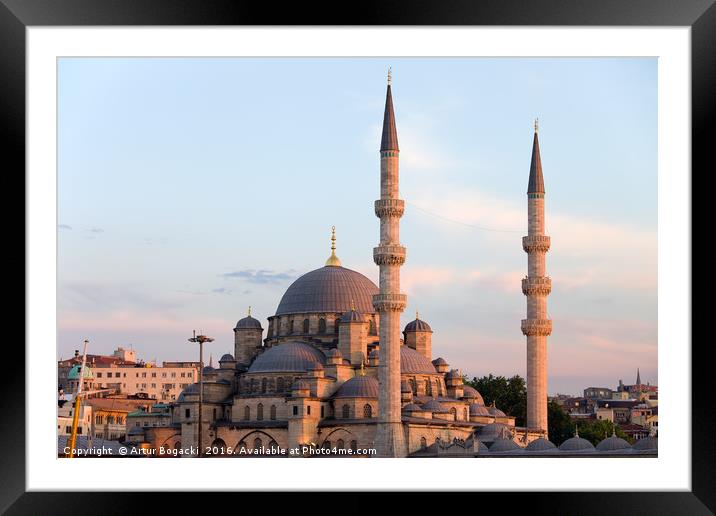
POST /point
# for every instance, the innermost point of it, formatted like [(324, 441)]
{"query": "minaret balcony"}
[(539, 243), (532, 327), (389, 254), (390, 302), (389, 208), (536, 285)]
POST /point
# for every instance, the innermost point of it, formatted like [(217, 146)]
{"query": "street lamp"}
[(201, 339)]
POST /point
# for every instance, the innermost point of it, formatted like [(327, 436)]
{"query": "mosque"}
[(334, 370)]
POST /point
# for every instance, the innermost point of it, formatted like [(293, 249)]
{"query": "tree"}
[(596, 430), (559, 424), (508, 394)]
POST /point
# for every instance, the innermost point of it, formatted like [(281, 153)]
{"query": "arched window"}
[(279, 385), (218, 447), (464, 414), (340, 444), (367, 410), (336, 325), (428, 388), (371, 326), (257, 443), (354, 445), (414, 386), (453, 411), (254, 385), (273, 412), (346, 411), (423, 443), (263, 384), (305, 326), (247, 413), (290, 326), (321, 325), (260, 412)]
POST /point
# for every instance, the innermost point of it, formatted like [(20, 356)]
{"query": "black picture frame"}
[(700, 15)]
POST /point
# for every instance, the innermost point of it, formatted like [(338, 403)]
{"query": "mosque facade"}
[(333, 369)]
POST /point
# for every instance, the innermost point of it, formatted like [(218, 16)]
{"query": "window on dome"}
[(346, 412), (273, 412), (321, 325), (260, 412), (247, 413), (280, 385), (263, 385), (305, 326), (290, 326), (371, 326), (453, 411), (367, 410)]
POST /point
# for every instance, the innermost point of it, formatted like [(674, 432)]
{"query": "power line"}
[(482, 228)]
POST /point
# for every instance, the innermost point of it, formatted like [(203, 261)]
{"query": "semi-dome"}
[(417, 325), (248, 323), (358, 387), (412, 407), (613, 443), (495, 430), (413, 362), (494, 411), (329, 289), (541, 445), (290, 356), (647, 443), (576, 443)]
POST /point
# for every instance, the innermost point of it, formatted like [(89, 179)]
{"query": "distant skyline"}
[(189, 189)]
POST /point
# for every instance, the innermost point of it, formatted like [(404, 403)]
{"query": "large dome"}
[(413, 362), (328, 289)]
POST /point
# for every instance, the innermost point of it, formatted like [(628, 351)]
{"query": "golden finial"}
[(362, 368), (536, 124), (333, 260), (417, 315), (390, 76), (353, 305), (249, 311)]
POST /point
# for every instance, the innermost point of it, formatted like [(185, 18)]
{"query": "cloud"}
[(96, 230), (133, 321), (221, 290), (64, 226), (262, 277)]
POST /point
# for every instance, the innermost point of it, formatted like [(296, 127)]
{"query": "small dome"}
[(613, 443), (412, 407), (647, 443), (74, 373), (358, 387), (208, 369), (192, 388), (417, 325), (248, 323), (495, 412), (439, 362), (478, 409), (495, 430), (412, 362), (289, 356), (541, 445), (503, 444), (454, 373), (351, 316), (576, 443), (435, 406), (334, 353), (405, 386), (228, 357)]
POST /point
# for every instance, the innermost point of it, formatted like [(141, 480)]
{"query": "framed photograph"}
[(454, 237)]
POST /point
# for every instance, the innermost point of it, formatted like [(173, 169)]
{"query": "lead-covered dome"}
[(290, 356), (358, 387), (329, 289), (248, 323), (413, 362)]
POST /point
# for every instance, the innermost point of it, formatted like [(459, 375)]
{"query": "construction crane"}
[(78, 404)]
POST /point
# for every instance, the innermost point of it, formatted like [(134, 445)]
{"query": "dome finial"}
[(536, 124), (417, 315), (362, 368), (353, 305), (249, 311), (390, 76), (333, 260)]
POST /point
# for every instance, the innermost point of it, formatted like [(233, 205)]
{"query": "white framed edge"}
[(670, 471)]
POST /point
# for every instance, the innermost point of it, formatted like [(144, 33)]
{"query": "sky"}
[(190, 189)]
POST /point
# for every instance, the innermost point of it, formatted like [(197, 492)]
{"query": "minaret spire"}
[(536, 286), (638, 377), (389, 303)]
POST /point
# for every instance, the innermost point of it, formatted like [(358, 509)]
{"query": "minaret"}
[(389, 303), (536, 286), (638, 377)]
